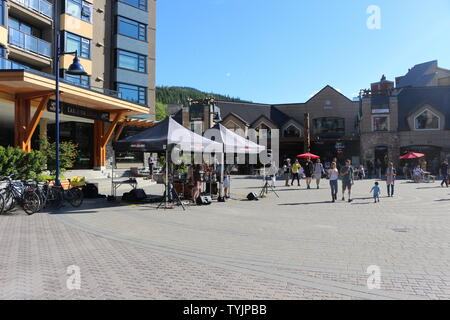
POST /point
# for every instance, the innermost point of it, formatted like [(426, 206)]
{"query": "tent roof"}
[(167, 133), (233, 142)]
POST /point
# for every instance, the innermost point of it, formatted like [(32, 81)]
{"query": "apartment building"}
[(115, 43)]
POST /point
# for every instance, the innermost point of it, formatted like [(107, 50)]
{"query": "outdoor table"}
[(116, 185)]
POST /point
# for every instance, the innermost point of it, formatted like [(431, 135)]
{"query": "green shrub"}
[(68, 153), (24, 165)]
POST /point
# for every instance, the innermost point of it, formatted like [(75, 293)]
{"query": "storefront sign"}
[(340, 145), (78, 111)]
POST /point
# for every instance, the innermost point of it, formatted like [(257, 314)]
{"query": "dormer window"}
[(427, 120)]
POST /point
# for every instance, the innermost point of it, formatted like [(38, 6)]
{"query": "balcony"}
[(29, 43), (41, 6), (6, 64)]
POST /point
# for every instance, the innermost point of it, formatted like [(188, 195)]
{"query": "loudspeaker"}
[(90, 191), (252, 196), (221, 199), (204, 200)]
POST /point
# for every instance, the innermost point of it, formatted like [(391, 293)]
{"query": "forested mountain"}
[(180, 95)]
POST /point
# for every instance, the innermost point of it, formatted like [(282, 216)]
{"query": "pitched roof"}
[(421, 75)]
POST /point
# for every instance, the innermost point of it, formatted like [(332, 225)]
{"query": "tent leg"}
[(167, 177), (222, 170)]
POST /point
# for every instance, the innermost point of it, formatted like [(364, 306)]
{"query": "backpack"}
[(90, 191)]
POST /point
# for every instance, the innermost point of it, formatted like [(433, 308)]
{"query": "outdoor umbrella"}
[(412, 155), (308, 155)]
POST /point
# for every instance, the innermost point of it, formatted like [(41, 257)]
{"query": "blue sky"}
[(283, 51)]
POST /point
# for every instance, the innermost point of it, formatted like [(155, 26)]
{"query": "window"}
[(292, 132), (329, 126), (231, 125), (132, 93), (141, 4), (131, 28), (427, 120), (380, 124), (79, 44), (264, 131), (131, 61), (77, 80), (2, 12), (80, 9)]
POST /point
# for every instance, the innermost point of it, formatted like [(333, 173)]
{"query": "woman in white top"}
[(333, 174), (318, 171)]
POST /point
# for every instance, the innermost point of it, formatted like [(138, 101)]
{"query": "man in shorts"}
[(347, 180)]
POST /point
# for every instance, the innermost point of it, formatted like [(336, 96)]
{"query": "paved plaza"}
[(298, 246)]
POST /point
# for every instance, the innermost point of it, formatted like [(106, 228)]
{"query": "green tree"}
[(161, 111), (67, 155)]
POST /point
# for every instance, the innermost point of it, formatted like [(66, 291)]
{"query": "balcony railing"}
[(30, 43), (6, 64), (41, 6)]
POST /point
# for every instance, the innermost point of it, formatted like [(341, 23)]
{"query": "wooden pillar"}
[(307, 144), (21, 121), (99, 153)]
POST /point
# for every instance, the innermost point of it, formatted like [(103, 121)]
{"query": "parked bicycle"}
[(52, 196), (16, 193)]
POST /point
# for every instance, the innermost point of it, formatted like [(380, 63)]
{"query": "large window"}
[(292, 132), (380, 124), (329, 126), (132, 93), (131, 61), (141, 4), (80, 9), (131, 28), (79, 44), (77, 80), (427, 120), (2, 12)]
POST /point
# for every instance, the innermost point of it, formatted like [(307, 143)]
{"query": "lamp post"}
[(74, 69)]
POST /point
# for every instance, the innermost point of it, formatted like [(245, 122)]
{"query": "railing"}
[(108, 92), (11, 65), (41, 6), (30, 43)]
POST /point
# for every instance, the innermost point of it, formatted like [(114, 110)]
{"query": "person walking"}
[(376, 192), (391, 173), (347, 180), (197, 179), (378, 166), (318, 171), (272, 172), (333, 175), (295, 172), (444, 173), (308, 171), (151, 164), (287, 172)]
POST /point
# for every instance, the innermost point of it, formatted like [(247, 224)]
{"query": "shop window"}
[(380, 124), (427, 120), (329, 126)]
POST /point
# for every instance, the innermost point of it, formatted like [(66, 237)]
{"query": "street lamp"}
[(74, 69)]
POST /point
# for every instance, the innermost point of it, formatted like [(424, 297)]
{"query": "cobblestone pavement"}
[(298, 246)]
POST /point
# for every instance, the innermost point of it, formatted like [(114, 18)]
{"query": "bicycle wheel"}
[(31, 202), (10, 202), (55, 198), (75, 197)]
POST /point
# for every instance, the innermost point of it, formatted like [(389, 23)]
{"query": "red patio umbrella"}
[(308, 155), (412, 155)]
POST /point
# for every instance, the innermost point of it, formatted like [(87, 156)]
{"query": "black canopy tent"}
[(163, 137)]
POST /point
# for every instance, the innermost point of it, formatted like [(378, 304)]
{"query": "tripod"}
[(175, 196), (265, 189)]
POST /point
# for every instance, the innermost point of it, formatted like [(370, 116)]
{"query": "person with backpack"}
[(347, 180), (444, 173), (308, 170), (287, 172)]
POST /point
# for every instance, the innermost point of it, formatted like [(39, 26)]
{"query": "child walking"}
[(376, 192)]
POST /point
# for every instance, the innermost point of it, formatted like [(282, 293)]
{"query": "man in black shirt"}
[(444, 173), (309, 170)]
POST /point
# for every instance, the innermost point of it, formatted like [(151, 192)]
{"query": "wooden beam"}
[(119, 130), (31, 127), (36, 94), (111, 129)]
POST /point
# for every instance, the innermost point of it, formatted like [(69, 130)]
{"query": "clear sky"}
[(283, 51)]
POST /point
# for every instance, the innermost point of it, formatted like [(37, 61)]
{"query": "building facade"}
[(410, 115), (333, 122), (115, 42)]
